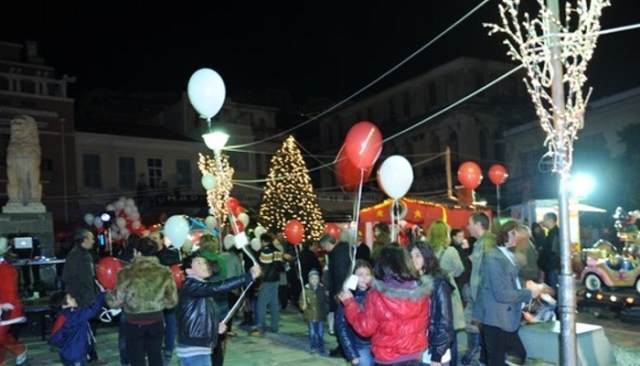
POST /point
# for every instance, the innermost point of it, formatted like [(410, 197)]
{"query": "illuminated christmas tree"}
[(289, 194), (217, 196)]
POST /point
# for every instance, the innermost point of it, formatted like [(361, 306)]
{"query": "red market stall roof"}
[(422, 213)]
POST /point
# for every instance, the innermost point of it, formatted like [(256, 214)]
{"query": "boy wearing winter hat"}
[(314, 305)]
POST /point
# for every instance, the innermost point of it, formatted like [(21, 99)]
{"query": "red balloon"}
[(347, 174), (294, 231), (363, 144), (237, 228), (178, 276), (107, 272), (470, 175), (238, 211), (332, 229), (232, 204), (498, 174)]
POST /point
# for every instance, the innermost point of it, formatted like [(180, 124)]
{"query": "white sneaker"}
[(21, 358)]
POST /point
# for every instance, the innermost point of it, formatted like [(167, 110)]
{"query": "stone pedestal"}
[(39, 225), (35, 207), (542, 341)]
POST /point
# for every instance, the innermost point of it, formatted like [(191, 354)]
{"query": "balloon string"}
[(304, 297), (236, 306), (393, 220), (356, 221)]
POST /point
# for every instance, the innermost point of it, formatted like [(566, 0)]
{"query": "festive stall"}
[(414, 212)]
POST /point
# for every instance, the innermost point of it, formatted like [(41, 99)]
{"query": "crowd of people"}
[(388, 304)]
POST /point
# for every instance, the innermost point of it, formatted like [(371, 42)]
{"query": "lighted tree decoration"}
[(217, 196), (555, 58), (289, 194), (540, 42)]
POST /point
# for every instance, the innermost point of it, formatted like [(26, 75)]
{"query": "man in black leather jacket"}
[(198, 326)]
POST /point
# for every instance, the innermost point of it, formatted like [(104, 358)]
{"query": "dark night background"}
[(312, 49)]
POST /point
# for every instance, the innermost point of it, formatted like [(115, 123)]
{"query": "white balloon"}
[(111, 207), (97, 222), (127, 211), (255, 244), (206, 92), (259, 230), (229, 241), (121, 222), (211, 222), (395, 176), (129, 202), (244, 218), (176, 230), (135, 216), (146, 233), (208, 181), (119, 205), (135, 224), (124, 233), (88, 219)]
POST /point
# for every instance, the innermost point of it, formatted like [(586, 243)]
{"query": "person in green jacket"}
[(314, 305)]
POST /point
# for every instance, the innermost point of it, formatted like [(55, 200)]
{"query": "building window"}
[(453, 146), (91, 171), (183, 172), (239, 161), (484, 145), (392, 110), (370, 114), (154, 168), (433, 95), (406, 105), (127, 172)]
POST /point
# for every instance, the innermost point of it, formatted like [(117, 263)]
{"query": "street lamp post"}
[(216, 141)]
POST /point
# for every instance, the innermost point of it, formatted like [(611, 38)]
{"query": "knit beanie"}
[(314, 272)]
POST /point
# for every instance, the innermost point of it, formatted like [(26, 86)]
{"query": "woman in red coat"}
[(396, 310), (10, 308)]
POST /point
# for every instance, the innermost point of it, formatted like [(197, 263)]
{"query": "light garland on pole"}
[(217, 196), (531, 42)]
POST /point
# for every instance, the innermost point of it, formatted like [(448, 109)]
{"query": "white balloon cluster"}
[(127, 219), (256, 245)]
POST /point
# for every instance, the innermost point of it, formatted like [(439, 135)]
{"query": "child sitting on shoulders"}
[(71, 331), (314, 306)]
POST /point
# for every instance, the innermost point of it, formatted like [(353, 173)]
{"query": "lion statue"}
[(23, 162)]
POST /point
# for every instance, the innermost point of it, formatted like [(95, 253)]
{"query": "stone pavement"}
[(290, 346)]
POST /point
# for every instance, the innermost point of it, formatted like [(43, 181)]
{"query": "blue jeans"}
[(169, 331), (268, 296), (316, 336), (551, 279), (199, 360), (366, 359), (454, 349), (122, 343), (77, 363)]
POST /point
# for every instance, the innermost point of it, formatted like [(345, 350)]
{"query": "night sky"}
[(311, 48)]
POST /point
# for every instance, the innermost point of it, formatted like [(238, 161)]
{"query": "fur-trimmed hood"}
[(412, 291)]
